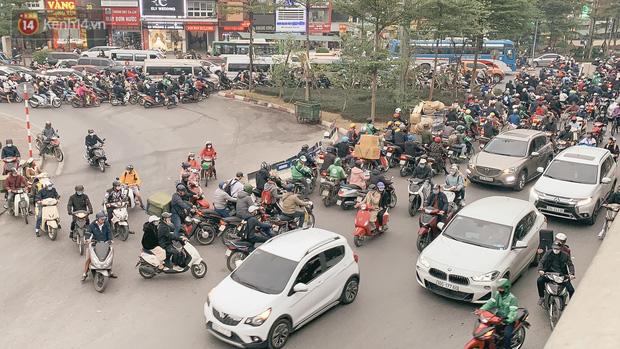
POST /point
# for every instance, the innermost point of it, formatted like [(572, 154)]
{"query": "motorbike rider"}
[(413, 148), (370, 128), (326, 142), (437, 151), (78, 202), (179, 208), (131, 178), (193, 163), (352, 135), (290, 201), (47, 134), (252, 223), (114, 195), (8, 152), (383, 203), (299, 171), (490, 130), (373, 198), (358, 177), (244, 201), (13, 183), (92, 140), (304, 152), (41, 91), (425, 134), (400, 137), (262, 176), (422, 171), (150, 241), (99, 231), (208, 152), (613, 148), (221, 200), (272, 186), (438, 200), (566, 133), (235, 185), (556, 261), (32, 170), (119, 91), (376, 176), (589, 141), (48, 191), (613, 199), (506, 304), (336, 172), (328, 158), (165, 236), (456, 181)]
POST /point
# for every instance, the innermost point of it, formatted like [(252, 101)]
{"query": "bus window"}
[(510, 54), (243, 49)]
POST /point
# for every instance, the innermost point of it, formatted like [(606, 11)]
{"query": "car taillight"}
[(355, 257)]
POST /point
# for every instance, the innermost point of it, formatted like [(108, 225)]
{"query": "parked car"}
[(64, 72), (53, 57), (66, 63), (544, 60), (95, 51), (490, 238), (4, 58), (511, 159), (282, 285), (576, 183), (492, 71)]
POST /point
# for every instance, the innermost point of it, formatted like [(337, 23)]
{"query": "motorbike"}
[(115, 101), (147, 101), (328, 190), (238, 250), (98, 159), (101, 258), (430, 227), (53, 148), (283, 224), (81, 224), (120, 218), (489, 334), (407, 165), (206, 171), (197, 227), (300, 188), (556, 295), (52, 100), (50, 218), (362, 220), (148, 264), (598, 131), (393, 155), (612, 211), (187, 97), (535, 122), (21, 204), (102, 94), (349, 196), (229, 226), (419, 190), (91, 101)]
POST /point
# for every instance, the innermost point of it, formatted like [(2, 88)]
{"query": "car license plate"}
[(389, 154), (402, 162), (447, 285), (486, 179), (325, 193), (222, 330), (222, 227), (555, 209), (339, 202), (450, 152), (228, 253)]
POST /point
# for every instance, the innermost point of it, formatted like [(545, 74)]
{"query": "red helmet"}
[(437, 139), (574, 118), (396, 115)]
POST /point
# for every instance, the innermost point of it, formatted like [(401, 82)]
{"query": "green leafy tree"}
[(9, 15), (559, 17)]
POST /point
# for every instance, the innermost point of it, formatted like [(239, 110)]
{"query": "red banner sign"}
[(122, 16), (319, 27), (199, 28)]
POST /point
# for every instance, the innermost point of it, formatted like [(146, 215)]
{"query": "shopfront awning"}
[(283, 36)]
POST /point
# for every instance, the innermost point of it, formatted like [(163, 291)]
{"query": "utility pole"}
[(535, 38)]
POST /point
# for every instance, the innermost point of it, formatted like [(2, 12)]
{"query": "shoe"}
[(106, 164), (71, 236), (177, 268), (6, 206), (59, 226), (540, 301), (142, 207), (37, 232), (113, 276), (601, 234), (462, 156), (132, 232), (84, 276)]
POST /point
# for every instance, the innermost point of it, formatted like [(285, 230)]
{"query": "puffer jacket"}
[(244, 201)]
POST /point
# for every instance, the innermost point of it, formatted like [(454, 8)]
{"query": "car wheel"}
[(594, 215), (521, 179), (278, 334), (536, 64), (497, 78), (351, 288)]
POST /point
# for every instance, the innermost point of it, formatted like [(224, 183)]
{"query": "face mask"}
[(191, 158), (50, 187), (9, 145), (422, 166), (453, 173), (80, 192), (435, 192), (502, 292), (556, 251)]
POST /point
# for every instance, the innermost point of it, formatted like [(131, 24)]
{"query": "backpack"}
[(242, 231), (230, 184), (266, 197), (452, 139)]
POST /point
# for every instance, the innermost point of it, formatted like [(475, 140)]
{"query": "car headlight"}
[(583, 202), (472, 164), (511, 170), (535, 194), (258, 319), (209, 296), (490, 276), (424, 262)]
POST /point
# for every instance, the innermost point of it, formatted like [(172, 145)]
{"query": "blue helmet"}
[(222, 184), (345, 139), (410, 137)]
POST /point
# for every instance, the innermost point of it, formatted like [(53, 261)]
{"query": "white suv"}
[(282, 285), (575, 184)]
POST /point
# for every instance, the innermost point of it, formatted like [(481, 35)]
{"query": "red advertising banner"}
[(60, 10), (319, 27), (121, 16), (190, 27)]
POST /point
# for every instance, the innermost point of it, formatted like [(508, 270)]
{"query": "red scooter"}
[(598, 131), (362, 226), (489, 334), (430, 227)]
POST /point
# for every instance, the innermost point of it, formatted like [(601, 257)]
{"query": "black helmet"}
[(185, 175), (264, 165), (180, 187), (305, 147), (79, 187), (129, 167), (358, 164), (116, 184), (272, 178), (185, 164), (9, 141), (166, 215), (567, 127), (369, 120), (239, 174), (90, 130)]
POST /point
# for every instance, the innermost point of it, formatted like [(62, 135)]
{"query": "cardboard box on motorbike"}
[(368, 147), (158, 203)]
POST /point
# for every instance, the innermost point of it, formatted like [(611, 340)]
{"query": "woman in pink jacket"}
[(358, 177)]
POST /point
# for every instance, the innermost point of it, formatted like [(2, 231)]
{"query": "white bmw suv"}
[(282, 285)]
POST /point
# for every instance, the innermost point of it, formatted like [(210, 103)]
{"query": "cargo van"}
[(133, 57)]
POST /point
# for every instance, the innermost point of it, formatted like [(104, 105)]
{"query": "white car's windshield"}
[(478, 232), (572, 172), (507, 147), (264, 272)]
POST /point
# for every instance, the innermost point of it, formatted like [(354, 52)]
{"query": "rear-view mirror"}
[(540, 169), (300, 287), (606, 180), (519, 244)]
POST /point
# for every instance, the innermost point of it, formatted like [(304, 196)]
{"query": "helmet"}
[(264, 165), (239, 174), (345, 139), (380, 186), (352, 126), (368, 120), (180, 187), (189, 155), (289, 187), (396, 115), (436, 186), (492, 114), (248, 188), (567, 127), (397, 110), (166, 215), (185, 164), (358, 163), (372, 187), (303, 159), (410, 137), (337, 161), (252, 208), (454, 167), (422, 161), (503, 283), (129, 167), (9, 141), (331, 149), (185, 176), (460, 128), (153, 219), (116, 184), (437, 139), (272, 178), (326, 134), (41, 83), (561, 236), (101, 215), (48, 123), (574, 118), (90, 130), (305, 147), (467, 111), (79, 187), (208, 144)]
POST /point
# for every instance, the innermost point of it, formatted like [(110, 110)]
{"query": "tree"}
[(9, 15), (510, 19), (559, 17), (307, 5)]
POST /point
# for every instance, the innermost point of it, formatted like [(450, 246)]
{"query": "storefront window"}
[(201, 9), (166, 40)]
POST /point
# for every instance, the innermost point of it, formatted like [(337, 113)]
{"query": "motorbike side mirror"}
[(540, 169), (519, 245), (300, 287)]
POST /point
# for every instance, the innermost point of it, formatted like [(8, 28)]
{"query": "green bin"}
[(307, 111)]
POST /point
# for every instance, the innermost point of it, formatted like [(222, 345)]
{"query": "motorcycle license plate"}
[(389, 154), (447, 285), (359, 199), (228, 253), (486, 179), (222, 330), (325, 193), (339, 202), (450, 152), (555, 209), (222, 227), (402, 162), (323, 180)]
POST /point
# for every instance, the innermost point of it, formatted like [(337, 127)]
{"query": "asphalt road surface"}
[(45, 305)]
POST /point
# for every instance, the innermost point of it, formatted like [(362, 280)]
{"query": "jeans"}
[(223, 212), (299, 216), (253, 223), (305, 183), (9, 200), (39, 218), (462, 147), (176, 221), (44, 96), (542, 280), (508, 334)]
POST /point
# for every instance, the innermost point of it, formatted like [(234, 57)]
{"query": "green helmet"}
[(503, 283), (460, 128), (337, 161), (248, 188), (303, 159)]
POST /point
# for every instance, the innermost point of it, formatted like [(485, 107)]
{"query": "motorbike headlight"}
[(490, 276), (511, 170), (258, 319), (583, 202), (424, 262)]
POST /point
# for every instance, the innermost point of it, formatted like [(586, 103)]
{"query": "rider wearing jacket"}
[(244, 201), (47, 192), (299, 171), (221, 200), (506, 305), (422, 171), (290, 201), (555, 261), (165, 237), (78, 202), (358, 176), (99, 231), (336, 172), (438, 200)]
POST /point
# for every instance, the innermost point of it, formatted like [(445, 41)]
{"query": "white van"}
[(95, 51), (156, 68), (236, 64), (134, 57)]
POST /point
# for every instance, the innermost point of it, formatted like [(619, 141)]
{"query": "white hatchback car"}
[(282, 285), (490, 238)]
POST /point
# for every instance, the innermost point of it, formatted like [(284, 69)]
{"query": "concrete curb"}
[(282, 108)]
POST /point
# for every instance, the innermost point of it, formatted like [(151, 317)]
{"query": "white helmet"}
[(326, 134), (252, 208), (397, 110), (153, 219), (561, 237)]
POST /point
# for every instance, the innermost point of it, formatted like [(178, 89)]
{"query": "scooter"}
[(50, 217), (598, 130), (238, 250), (10, 164), (98, 159), (362, 228), (328, 190), (120, 217), (407, 165), (53, 148), (148, 264), (91, 101), (206, 171), (81, 224), (101, 258), (52, 100), (393, 155), (430, 227), (418, 190), (115, 101), (489, 334), (555, 296), (21, 204), (196, 226), (348, 196), (612, 211), (282, 224)]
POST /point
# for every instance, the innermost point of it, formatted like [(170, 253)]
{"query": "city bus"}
[(242, 48), (449, 51)]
